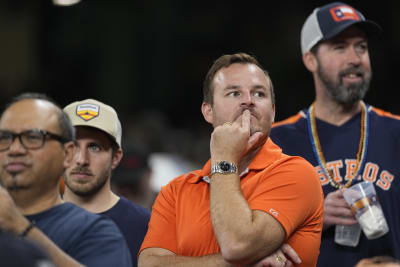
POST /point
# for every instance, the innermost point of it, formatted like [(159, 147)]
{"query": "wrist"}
[(27, 229), (216, 159), (223, 167)]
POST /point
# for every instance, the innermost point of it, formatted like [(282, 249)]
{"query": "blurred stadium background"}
[(148, 58)]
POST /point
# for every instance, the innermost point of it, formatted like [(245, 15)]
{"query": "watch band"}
[(223, 167)]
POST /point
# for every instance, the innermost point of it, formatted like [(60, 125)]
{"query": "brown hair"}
[(224, 62)]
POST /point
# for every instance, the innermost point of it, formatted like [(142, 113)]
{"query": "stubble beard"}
[(342, 94), (85, 190)]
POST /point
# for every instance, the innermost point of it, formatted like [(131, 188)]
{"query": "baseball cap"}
[(95, 114), (329, 20)]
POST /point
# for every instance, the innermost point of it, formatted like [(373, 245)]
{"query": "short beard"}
[(90, 191), (340, 93)]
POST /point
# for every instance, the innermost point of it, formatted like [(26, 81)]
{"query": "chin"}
[(11, 180), (83, 192), (256, 130)]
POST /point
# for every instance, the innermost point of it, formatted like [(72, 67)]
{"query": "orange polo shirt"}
[(286, 187)]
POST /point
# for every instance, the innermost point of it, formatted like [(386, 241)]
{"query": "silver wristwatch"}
[(223, 167)]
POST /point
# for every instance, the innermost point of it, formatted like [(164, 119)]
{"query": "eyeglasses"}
[(30, 139)]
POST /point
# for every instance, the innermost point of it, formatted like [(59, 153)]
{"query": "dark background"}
[(152, 55)]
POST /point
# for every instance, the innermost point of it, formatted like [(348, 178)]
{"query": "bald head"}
[(44, 108), (31, 114)]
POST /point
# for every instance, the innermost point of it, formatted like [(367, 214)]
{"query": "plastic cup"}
[(365, 206), (347, 235)]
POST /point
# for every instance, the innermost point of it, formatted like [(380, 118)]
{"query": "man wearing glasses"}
[(35, 148)]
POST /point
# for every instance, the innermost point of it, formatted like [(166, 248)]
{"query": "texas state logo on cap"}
[(344, 12)]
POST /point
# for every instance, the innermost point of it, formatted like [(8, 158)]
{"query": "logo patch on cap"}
[(87, 111), (340, 13)]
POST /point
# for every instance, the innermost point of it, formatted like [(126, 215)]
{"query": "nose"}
[(16, 147), (81, 156), (354, 56), (247, 99)]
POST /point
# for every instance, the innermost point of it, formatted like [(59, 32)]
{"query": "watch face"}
[(225, 166)]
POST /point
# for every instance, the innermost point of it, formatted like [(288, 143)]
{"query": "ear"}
[(273, 112), (206, 109), (116, 158), (310, 61), (69, 151)]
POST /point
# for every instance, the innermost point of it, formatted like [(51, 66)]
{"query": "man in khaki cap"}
[(87, 180)]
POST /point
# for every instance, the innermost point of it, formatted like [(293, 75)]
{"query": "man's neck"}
[(335, 113), (31, 203), (99, 202)]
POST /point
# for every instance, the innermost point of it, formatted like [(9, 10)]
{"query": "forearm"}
[(182, 261), (59, 257), (242, 237), (16, 223), (230, 213)]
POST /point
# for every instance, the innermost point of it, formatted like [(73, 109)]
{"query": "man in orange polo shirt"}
[(249, 199)]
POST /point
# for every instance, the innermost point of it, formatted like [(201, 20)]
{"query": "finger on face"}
[(246, 119)]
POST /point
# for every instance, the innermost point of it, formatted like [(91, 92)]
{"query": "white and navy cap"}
[(329, 20)]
